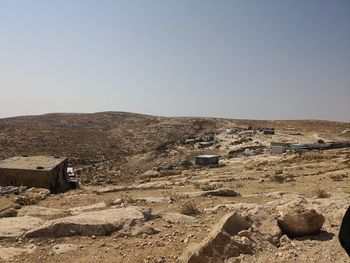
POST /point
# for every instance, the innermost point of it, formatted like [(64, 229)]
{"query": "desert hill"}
[(92, 137), (96, 137)]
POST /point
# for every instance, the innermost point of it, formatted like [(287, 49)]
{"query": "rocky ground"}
[(254, 207)]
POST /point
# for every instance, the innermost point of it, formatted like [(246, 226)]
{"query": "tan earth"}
[(142, 199)]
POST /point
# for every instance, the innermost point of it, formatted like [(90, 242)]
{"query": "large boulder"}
[(256, 214), (301, 222), (98, 223), (16, 226), (222, 242)]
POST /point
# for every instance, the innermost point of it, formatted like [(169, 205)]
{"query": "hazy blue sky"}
[(238, 59)]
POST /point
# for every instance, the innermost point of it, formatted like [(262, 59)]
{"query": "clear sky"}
[(237, 59)]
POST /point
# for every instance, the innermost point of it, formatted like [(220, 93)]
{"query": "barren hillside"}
[(93, 137), (110, 135)]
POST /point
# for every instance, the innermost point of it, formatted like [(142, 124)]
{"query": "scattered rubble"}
[(32, 196), (7, 190)]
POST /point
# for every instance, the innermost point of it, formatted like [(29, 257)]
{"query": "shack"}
[(207, 160), (268, 131), (35, 171)]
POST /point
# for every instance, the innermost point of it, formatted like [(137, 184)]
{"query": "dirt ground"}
[(321, 176)]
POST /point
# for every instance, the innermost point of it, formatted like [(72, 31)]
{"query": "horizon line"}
[(162, 116)]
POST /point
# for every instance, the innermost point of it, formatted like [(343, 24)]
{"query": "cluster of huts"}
[(53, 172)]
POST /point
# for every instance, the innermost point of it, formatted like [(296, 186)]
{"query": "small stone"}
[(245, 241), (245, 233), (284, 239)]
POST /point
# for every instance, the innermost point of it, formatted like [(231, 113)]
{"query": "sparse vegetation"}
[(321, 193), (278, 178), (338, 177), (165, 146), (189, 208), (171, 195), (187, 163), (239, 185)]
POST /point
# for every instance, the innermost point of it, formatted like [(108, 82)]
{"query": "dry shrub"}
[(189, 208), (197, 185), (278, 178), (314, 156), (338, 177), (239, 185), (187, 163), (172, 196), (320, 193)]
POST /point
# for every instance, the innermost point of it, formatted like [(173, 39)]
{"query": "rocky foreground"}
[(290, 227), (200, 215)]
